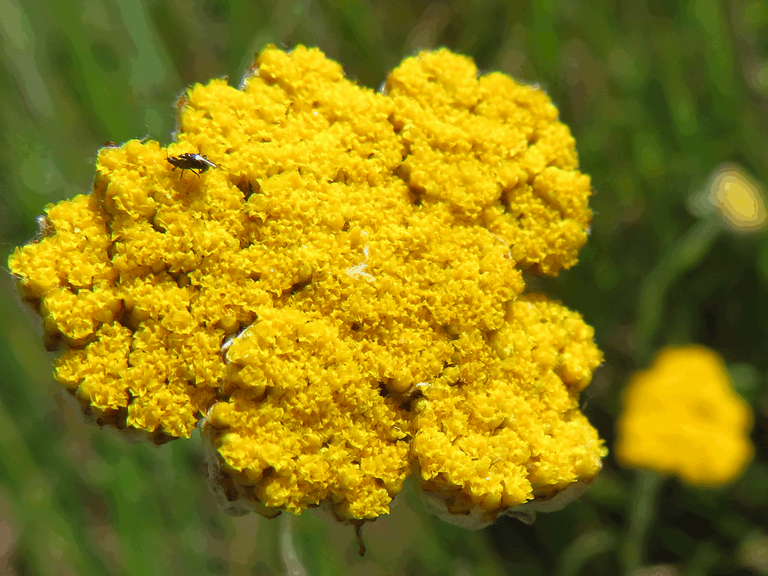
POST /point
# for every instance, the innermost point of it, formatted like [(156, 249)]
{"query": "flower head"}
[(683, 417), (338, 293), (735, 197)]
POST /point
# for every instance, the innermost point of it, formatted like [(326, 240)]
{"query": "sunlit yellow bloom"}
[(737, 198), (339, 293), (683, 417)]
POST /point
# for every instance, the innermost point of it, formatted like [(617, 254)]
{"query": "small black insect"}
[(197, 163)]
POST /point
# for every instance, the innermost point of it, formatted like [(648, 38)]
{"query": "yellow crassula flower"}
[(683, 417), (338, 294)]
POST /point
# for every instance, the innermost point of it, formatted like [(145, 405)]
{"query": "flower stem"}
[(641, 514), (685, 254), (291, 562), (583, 549)]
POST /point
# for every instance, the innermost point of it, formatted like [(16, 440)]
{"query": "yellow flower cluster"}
[(732, 200), (683, 417), (340, 296), (738, 199)]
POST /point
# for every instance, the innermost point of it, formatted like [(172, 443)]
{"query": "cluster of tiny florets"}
[(682, 416), (333, 285)]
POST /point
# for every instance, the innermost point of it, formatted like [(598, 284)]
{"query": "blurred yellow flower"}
[(737, 198), (683, 417), (334, 286)]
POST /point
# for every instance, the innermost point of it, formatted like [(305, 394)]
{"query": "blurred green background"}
[(658, 93)]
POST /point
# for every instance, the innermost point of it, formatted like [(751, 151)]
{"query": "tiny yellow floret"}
[(682, 417), (337, 297)]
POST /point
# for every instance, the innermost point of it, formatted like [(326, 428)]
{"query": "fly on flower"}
[(197, 163)]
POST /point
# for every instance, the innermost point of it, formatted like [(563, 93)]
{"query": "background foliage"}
[(657, 93)]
